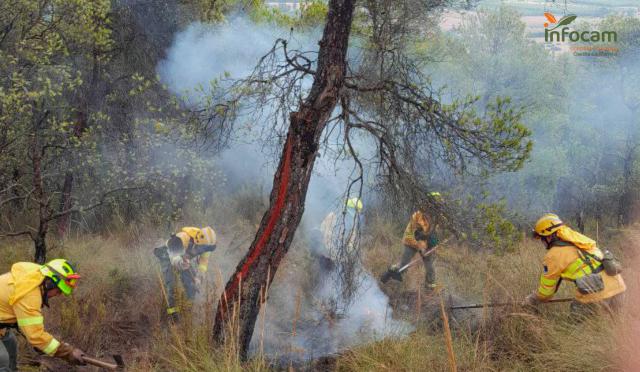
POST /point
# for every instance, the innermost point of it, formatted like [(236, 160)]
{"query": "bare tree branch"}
[(4, 234), (87, 208)]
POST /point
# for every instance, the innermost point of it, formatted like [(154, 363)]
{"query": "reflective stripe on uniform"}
[(52, 347), (579, 268), (548, 282), (36, 320), (574, 269), (546, 292), (547, 286), (172, 310)]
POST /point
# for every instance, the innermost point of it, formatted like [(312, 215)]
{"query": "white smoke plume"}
[(202, 53)]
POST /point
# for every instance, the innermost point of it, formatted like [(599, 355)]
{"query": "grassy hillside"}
[(118, 309), (508, 339)]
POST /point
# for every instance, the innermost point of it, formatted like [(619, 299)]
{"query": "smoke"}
[(204, 56), (578, 109), (319, 327), (203, 53)]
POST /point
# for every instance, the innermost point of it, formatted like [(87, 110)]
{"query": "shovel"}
[(397, 274), (111, 366)]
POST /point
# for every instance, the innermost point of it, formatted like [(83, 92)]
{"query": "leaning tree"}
[(376, 94)]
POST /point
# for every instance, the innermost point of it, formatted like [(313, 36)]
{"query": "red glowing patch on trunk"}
[(273, 219)]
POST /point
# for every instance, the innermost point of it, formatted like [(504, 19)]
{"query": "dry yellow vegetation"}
[(118, 309)]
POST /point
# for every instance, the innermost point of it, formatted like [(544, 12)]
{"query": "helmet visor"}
[(68, 284)]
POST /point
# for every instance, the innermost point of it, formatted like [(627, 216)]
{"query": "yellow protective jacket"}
[(209, 238), (418, 221), (563, 261), (21, 303)]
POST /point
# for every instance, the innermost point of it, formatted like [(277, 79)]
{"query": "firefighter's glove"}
[(180, 262), (185, 263), (161, 253), (531, 300), (198, 280), (71, 354)]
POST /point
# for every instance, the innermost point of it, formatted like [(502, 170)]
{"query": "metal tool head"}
[(391, 274), (119, 361)]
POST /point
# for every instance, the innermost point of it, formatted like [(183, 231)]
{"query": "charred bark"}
[(65, 204), (40, 243), (240, 303), (79, 128), (39, 239)]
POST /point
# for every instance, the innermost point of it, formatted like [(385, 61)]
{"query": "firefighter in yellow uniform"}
[(335, 230), (574, 257), (185, 253), (419, 237), (23, 292)]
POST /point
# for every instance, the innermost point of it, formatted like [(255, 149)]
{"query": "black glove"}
[(161, 253), (420, 235), (196, 250)]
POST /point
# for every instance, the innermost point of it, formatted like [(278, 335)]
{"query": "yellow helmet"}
[(354, 203), (435, 195), (206, 235), (209, 235), (191, 235), (63, 275), (547, 224), (194, 233)]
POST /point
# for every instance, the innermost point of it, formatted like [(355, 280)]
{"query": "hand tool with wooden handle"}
[(111, 366)]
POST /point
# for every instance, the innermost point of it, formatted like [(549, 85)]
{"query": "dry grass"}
[(119, 305), (508, 339)]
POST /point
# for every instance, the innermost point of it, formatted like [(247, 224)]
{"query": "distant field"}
[(593, 8), (579, 7)]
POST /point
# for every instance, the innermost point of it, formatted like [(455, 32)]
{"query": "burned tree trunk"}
[(39, 239), (240, 302), (40, 242), (65, 204)]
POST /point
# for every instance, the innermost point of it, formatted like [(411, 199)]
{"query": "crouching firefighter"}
[(574, 257), (186, 254), (23, 292), (419, 237)]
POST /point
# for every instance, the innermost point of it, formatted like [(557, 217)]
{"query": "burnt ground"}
[(424, 309)]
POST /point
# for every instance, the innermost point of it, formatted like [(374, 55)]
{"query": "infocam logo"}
[(556, 30)]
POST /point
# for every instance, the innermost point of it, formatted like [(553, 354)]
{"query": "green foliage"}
[(72, 106), (493, 229), (491, 56), (574, 169), (312, 13)]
